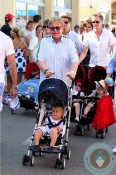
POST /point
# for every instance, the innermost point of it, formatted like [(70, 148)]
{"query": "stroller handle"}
[(85, 97), (72, 83)]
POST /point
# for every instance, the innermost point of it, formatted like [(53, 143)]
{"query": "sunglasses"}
[(45, 27), (53, 28), (66, 22), (95, 22)]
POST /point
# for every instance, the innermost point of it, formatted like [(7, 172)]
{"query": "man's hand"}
[(49, 73), (71, 74), (13, 92)]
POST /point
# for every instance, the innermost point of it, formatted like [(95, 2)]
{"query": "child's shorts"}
[(45, 129)]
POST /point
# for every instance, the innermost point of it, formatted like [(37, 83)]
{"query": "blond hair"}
[(99, 15), (19, 33), (56, 20)]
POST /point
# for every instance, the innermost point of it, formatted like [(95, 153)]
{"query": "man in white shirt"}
[(100, 42), (71, 34), (7, 50), (57, 55)]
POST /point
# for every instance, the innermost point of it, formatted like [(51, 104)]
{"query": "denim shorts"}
[(1, 95)]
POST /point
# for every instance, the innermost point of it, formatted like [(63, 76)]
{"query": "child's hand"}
[(75, 100), (59, 129)]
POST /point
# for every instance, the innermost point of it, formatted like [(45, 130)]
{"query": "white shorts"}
[(1, 95), (45, 129)]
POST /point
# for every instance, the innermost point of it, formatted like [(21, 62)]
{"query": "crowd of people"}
[(55, 48)]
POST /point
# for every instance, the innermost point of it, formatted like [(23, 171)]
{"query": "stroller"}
[(28, 90), (52, 91), (93, 76), (81, 75)]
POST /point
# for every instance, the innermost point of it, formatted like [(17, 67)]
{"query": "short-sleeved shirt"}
[(112, 64), (58, 57), (75, 39), (33, 45), (99, 49), (6, 48), (6, 29)]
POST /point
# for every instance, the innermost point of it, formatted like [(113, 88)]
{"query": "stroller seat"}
[(28, 90), (95, 74)]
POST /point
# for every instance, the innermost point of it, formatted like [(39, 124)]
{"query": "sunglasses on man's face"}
[(95, 22), (65, 22), (53, 28), (45, 27)]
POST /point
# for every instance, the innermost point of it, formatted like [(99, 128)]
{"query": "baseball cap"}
[(9, 16)]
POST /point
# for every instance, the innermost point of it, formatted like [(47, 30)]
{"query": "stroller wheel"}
[(40, 153), (103, 134), (96, 134), (68, 153), (106, 129), (63, 163), (77, 129), (25, 159), (81, 131), (88, 127), (57, 162), (12, 111), (32, 160)]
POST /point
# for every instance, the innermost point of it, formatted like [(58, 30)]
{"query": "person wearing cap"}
[(7, 50), (100, 91), (6, 28), (76, 28), (78, 92)]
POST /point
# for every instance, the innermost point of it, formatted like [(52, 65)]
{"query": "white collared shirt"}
[(75, 39), (99, 49), (58, 57)]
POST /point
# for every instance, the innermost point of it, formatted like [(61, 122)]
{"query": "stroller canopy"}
[(53, 90)]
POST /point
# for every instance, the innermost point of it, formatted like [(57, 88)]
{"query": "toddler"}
[(101, 90), (53, 125), (78, 92)]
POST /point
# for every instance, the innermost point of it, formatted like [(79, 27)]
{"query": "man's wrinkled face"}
[(56, 29)]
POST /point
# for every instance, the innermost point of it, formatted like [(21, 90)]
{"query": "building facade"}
[(80, 10)]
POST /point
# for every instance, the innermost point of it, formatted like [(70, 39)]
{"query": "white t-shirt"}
[(33, 45), (6, 48)]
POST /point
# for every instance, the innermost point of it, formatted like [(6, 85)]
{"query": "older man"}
[(7, 49), (100, 42), (57, 55)]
